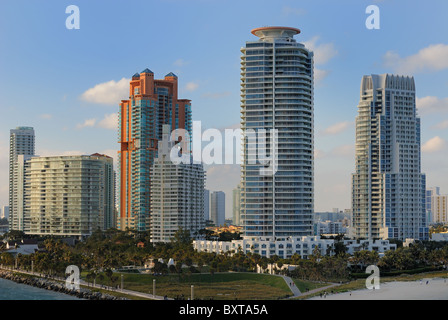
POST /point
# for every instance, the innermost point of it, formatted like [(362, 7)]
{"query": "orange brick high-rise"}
[(152, 103)]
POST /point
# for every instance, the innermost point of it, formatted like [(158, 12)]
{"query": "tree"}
[(7, 258), (182, 238)]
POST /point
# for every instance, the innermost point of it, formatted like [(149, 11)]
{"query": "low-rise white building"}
[(286, 247), (441, 236), (379, 246)]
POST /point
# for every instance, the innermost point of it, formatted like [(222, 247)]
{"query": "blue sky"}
[(67, 83)]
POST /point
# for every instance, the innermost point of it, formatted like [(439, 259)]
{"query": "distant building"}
[(218, 207), (177, 194), (441, 236), (5, 212), (229, 228), (436, 206), (236, 200), (21, 143), (206, 204), (329, 227)]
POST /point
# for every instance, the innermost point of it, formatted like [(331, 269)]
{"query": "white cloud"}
[(320, 75), (46, 116), (87, 123), (429, 59), (293, 11), (318, 154), (441, 125), (347, 150), (322, 52), (337, 128), (109, 93), (342, 151), (431, 104), (191, 86), (180, 63), (110, 121), (434, 144)]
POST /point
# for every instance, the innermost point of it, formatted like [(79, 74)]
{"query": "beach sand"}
[(436, 289)]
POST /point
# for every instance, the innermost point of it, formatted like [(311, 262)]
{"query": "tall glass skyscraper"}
[(277, 94), (218, 208), (388, 196), (152, 103)]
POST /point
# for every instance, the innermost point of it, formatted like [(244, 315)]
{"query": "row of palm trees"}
[(113, 249)]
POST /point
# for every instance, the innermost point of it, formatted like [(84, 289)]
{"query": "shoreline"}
[(431, 288), (52, 285)]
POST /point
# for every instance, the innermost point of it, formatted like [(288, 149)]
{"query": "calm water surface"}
[(9, 290)]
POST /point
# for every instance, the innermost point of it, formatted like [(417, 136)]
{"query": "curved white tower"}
[(277, 93)]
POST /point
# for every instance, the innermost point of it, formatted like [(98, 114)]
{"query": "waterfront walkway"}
[(89, 285), (295, 291)]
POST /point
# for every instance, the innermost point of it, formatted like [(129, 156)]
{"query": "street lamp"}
[(154, 287)]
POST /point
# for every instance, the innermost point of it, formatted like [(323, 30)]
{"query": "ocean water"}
[(9, 290)]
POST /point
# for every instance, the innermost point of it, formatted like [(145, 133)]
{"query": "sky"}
[(67, 83)]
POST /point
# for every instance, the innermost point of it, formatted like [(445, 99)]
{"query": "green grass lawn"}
[(303, 285), (220, 286)]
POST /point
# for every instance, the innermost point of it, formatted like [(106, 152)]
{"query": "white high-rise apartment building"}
[(277, 94), (21, 143), (70, 195), (177, 194), (440, 211), (218, 208), (388, 197), (436, 205)]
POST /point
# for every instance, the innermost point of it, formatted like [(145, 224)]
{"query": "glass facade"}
[(277, 94)]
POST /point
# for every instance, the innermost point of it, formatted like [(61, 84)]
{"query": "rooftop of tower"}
[(171, 75), (146, 71), (275, 32)]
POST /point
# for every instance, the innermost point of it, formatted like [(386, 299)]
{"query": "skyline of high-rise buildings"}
[(388, 186), (277, 89), (59, 195)]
